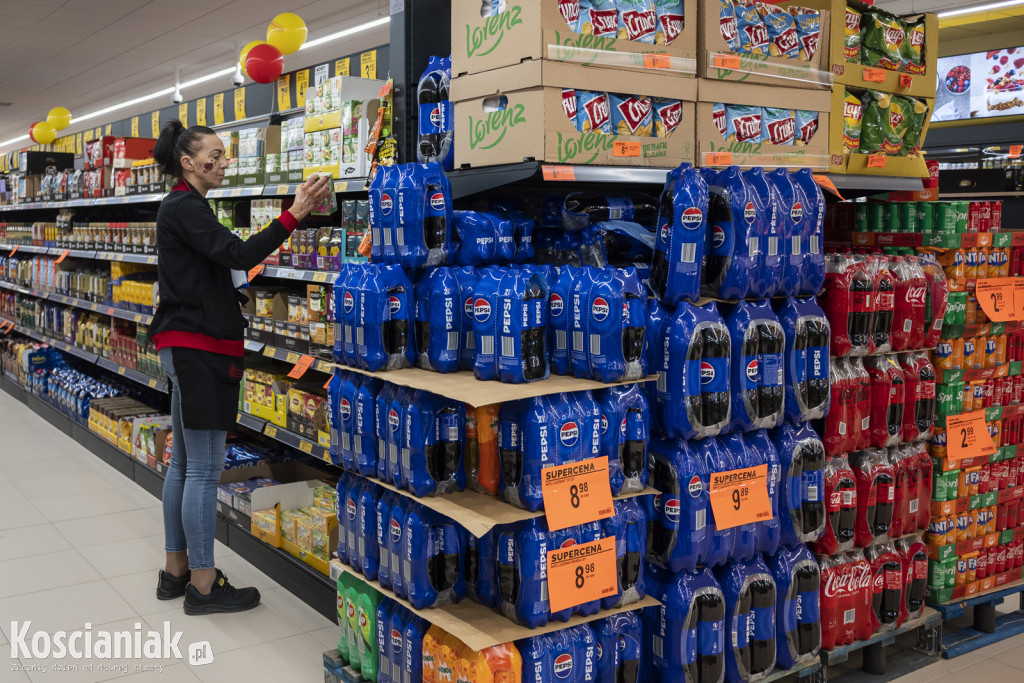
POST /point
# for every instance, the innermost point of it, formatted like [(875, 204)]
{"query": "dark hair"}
[(174, 141)]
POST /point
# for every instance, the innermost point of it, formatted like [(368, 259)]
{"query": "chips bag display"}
[(783, 40), (718, 117), (727, 24), (667, 114), (916, 111), (637, 20), (742, 123), (806, 126), (599, 18), (882, 42), (778, 126), (594, 112), (569, 106), (669, 14), (631, 115), (753, 35), (853, 117), (851, 36), (808, 30), (885, 122), (913, 48)]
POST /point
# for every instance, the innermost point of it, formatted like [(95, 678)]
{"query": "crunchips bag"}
[(599, 18), (718, 117), (917, 113), (631, 115), (569, 106), (570, 11), (752, 33), (783, 40), (637, 20), (727, 24), (742, 123), (808, 30), (669, 14), (853, 117), (667, 114), (851, 33), (778, 126), (882, 43), (913, 48), (594, 112), (806, 126)]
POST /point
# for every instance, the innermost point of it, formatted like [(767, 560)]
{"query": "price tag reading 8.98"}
[(576, 493), (581, 573)]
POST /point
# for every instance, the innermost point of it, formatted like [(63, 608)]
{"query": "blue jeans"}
[(190, 487)]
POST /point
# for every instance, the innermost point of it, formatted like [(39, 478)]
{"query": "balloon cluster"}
[(263, 61), (45, 132)]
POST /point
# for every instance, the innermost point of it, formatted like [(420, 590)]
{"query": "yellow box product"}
[(324, 519), (321, 545), (289, 523), (266, 520), (304, 533)]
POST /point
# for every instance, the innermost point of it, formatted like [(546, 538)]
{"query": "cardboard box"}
[(288, 497), (535, 30), (848, 73), (532, 124), (716, 61), (710, 141)]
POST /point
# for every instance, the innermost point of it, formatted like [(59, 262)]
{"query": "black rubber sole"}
[(215, 608), (169, 595)]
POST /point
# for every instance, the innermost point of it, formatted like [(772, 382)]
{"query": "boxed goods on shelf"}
[(762, 125), (296, 518), (764, 43), (36, 163), (265, 395), (616, 35), (337, 126), (527, 111), (873, 132)]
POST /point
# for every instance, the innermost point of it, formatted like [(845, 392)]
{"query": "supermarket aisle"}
[(81, 543)]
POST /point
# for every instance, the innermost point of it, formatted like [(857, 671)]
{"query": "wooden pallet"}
[(335, 671), (874, 668), (988, 628)]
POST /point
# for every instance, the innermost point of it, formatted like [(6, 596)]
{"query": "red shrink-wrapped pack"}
[(882, 304), (909, 307), (914, 561), (887, 398), (847, 302), (861, 380), (840, 507), (876, 495), (886, 589), (937, 299)]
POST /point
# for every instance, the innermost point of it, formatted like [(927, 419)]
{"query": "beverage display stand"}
[(928, 628), (988, 627)]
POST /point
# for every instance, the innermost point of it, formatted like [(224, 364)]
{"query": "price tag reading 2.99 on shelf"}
[(576, 493), (967, 436), (581, 573), (740, 496)]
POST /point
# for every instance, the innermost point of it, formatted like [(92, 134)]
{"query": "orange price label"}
[(827, 183), (877, 160), (740, 497), (1018, 298), (63, 255), (967, 436), (1015, 151), (626, 148), (871, 75), (301, 366), (384, 90), (718, 158), (582, 573), (906, 80), (558, 172), (657, 61), (996, 297), (15, 250), (723, 61), (256, 271), (327, 384), (576, 493)]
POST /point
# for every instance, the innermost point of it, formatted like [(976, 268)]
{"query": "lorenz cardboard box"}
[(716, 61), (516, 114), (540, 29), (715, 149)]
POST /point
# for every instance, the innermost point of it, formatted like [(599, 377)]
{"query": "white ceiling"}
[(90, 54), (917, 6)]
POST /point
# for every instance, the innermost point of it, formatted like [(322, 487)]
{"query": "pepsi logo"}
[(396, 640), (350, 508), (672, 508), (752, 370), (797, 212), (599, 309), (622, 644), (386, 203), (563, 665), (707, 372), (468, 307), (695, 486), (394, 304), (435, 117), (569, 434), (393, 419), (568, 543), (348, 302), (692, 218), (556, 305), (622, 427), (717, 236), (600, 652), (604, 423), (396, 530), (749, 212), (657, 501), (345, 408), (664, 232), (481, 310), (437, 201)]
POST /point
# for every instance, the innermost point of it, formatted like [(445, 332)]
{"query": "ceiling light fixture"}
[(980, 8), (13, 140), (346, 32)]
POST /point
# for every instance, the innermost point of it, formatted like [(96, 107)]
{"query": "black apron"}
[(209, 385)]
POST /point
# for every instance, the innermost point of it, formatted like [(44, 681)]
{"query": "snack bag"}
[(753, 35), (853, 117), (637, 20), (570, 11), (743, 123), (913, 48), (915, 111), (594, 112), (631, 115), (806, 126), (727, 24), (569, 106), (599, 18), (718, 117), (778, 126), (876, 119), (851, 36), (667, 114), (783, 39), (882, 44), (808, 30), (669, 14)]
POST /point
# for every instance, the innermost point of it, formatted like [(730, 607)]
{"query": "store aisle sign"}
[(239, 104), (155, 123), (218, 109)]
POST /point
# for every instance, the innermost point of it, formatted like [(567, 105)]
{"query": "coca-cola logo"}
[(757, 34), (570, 10), (749, 212), (394, 304), (707, 372), (671, 26), (796, 213), (915, 295), (348, 302), (728, 26), (393, 420), (435, 117), (780, 132), (691, 218), (350, 508), (847, 578), (717, 236), (752, 370), (556, 305), (481, 310), (598, 111), (569, 434), (671, 115), (672, 509), (604, 22), (634, 111), (345, 408), (747, 127), (893, 36), (718, 118), (569, 103), (563, 665), (639, 24), (695, 486), (396, 531), (599, 309), (396, 640), (386, 203), (437, 201)]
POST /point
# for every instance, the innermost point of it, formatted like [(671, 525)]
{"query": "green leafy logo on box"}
[(482, 131), (572, 149), (572, 45), (490, 34)]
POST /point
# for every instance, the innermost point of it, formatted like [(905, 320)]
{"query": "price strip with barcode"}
[(740, 496), (967, 436), (582, 573), (301, 365), (576, 493)]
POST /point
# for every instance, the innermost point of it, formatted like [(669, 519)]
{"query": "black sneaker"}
[(170, 586), (222, 598)]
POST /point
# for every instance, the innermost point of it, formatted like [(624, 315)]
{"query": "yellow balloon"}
[(245, 51), (59, 118), (44, 133), (286, 32)]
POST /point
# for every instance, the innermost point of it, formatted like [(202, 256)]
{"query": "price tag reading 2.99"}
[(740, 496), (581, 573), (576, 493), (967, 436)]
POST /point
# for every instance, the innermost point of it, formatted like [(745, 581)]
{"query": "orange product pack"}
[(954, 264), (432, 653), (451, 661), (972, 359), (497, 664), (487, 437)]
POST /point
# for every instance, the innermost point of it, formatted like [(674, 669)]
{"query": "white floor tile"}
[(178, 673), (10, 493), (139, 591), (44, 572), (127, 557), (88, 504), (117, 526), (241, 573), (299, 612), (20, 515), (1012, 658), (227, 632), (7, 675), (63, 485), (31, 540), (66, 608), (291, 659), (35, 469), (328, 637)]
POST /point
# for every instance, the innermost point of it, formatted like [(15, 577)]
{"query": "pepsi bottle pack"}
[(510, 321), (625, 430), (802, 484), (790, 226), (629, 528), (768, 265), (620, 643), (806, 359), (492, 238), (735, 224), (677, 533), (411, 220), (581, 210), (758, 395), (399, 643), (680, 241), (436, 116), (797, 617), (375, 307), (567, 655), (749, 590), (809, 223), (439, 332)]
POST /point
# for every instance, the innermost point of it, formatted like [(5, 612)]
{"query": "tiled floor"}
[(80, 543)]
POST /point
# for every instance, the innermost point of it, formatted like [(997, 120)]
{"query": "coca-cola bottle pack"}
[(936, 299), (886, 588), (840, 507), (861, 405), (847, 301), (908, 312), (887, 398), (845, 599), (914, 563), (906, 504), (876, 494), (882, 304), (838, 428)]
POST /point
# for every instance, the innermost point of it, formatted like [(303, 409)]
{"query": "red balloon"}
[(264, 63)]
